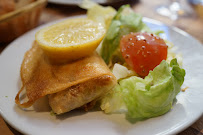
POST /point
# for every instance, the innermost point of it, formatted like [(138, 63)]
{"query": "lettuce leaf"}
[(149, 97), (98, 13), (124, 22)]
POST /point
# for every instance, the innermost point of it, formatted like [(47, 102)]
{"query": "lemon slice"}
[(71, 39)]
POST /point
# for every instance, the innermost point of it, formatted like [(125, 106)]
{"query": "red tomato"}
[(143, 51)]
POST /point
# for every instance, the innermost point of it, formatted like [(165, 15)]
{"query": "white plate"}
[(76, 2), (186, 110)]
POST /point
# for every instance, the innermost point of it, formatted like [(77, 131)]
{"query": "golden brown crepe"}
[(68, 86)]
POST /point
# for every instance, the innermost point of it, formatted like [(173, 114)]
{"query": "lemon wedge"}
[(71, 39)]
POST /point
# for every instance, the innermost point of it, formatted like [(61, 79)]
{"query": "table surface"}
[(191, 23)]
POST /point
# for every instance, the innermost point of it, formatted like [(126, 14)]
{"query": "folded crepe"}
[(68, 86)]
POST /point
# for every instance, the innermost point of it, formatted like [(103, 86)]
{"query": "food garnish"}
[(98, 13), (149, 97), (71, 39), (124, 22), (143, 51), (129, 45)]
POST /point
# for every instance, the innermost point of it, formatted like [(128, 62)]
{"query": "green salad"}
[(148, 74)]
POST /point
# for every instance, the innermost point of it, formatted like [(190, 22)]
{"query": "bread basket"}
[(17, 22)]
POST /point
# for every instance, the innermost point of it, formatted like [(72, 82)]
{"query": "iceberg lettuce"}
[(144, 98), (98, 13)]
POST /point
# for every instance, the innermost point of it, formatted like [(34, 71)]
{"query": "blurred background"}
[(20, 16)]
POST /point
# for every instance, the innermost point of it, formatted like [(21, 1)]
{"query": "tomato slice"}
[(143, 51)]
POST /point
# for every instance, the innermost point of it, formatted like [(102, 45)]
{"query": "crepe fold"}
[(68, 86)]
